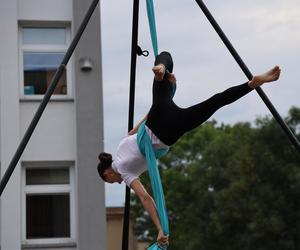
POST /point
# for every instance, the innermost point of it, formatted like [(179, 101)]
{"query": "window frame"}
[(45, 48), (49, 189)]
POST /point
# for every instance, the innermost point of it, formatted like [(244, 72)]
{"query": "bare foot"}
[(172, 78), (159, 72), (269, 76)]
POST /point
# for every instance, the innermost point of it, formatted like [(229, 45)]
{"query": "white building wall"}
[(89, 117), (10, 120), (55, 137), (54, 10)]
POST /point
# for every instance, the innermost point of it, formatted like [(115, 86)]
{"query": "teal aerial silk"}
[(151, 154), (152, 25)]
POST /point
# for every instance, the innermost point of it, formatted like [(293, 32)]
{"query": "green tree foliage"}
[(231, 187)]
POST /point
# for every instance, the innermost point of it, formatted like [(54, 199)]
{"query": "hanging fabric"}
[(152, 25), (151, 154), (145, 145)]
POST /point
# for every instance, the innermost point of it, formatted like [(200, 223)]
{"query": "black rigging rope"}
[(135, 49)]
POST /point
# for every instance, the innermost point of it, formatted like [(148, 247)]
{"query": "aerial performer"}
[(165, 124)]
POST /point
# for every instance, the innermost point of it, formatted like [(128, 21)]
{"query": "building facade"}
[(54, 199)]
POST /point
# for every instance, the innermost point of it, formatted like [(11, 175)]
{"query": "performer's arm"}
[(150, 207), (135, 129)]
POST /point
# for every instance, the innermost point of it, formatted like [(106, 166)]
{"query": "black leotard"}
[(168, 121)]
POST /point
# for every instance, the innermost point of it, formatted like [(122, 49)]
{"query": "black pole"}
[(10, 169), (134, 46), (249, 75)]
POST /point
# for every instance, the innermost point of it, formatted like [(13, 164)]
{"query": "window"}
[(47, 216), (42, 50), (48, 204)]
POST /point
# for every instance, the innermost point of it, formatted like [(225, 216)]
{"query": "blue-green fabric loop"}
[(151, 154)]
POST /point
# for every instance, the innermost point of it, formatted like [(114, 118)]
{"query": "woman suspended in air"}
[(165, 124)]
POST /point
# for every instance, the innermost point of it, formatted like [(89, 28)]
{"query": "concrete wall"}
[(89, 119), (10, 124), (54, 10), (70, 130), (54, 136)]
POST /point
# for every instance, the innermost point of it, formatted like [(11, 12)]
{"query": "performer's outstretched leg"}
[(197, 114)]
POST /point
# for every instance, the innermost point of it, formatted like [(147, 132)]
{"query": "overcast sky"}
[(264, 33)]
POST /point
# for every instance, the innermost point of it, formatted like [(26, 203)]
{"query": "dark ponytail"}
[(105, 161)]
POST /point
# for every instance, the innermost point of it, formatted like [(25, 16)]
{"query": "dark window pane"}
[(39, 69), (47, 216), (47, 176)]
